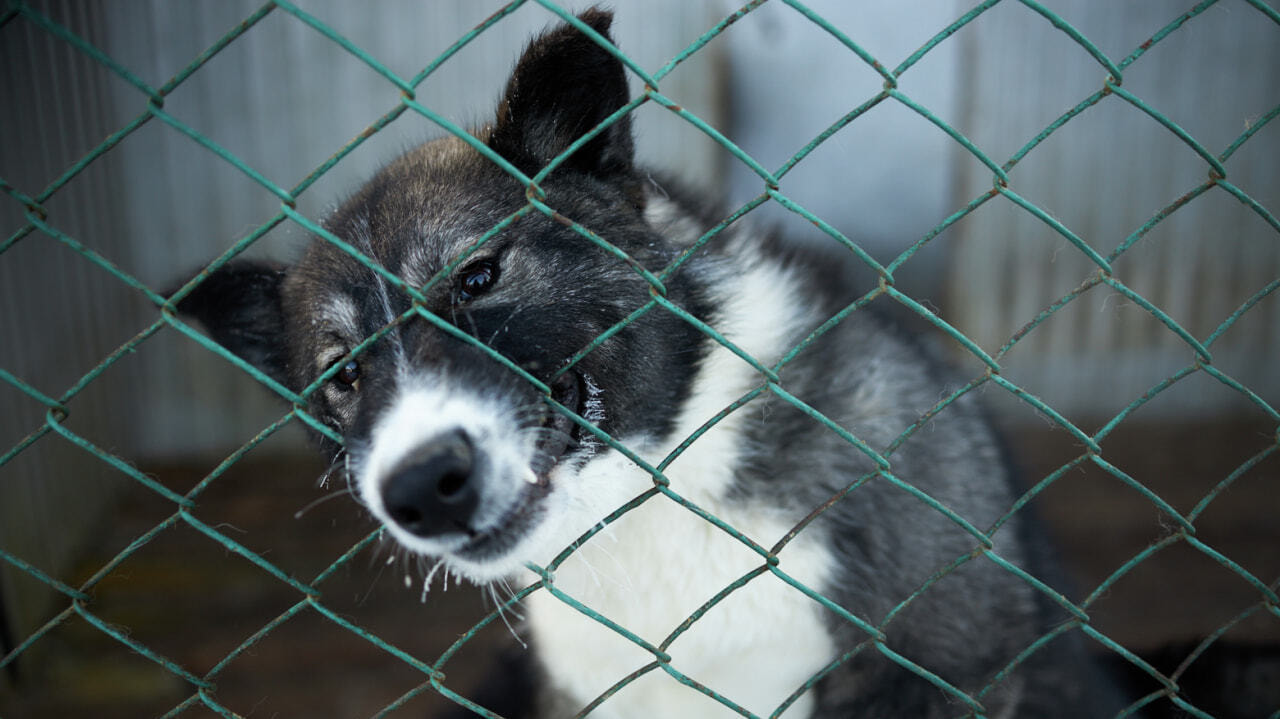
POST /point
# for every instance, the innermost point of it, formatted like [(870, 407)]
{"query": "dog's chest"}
[(673, 580), (659, 567)]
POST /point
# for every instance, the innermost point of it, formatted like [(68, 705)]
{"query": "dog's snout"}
[(434, 490)]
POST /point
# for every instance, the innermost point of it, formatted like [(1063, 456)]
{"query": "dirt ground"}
[(193, 601)]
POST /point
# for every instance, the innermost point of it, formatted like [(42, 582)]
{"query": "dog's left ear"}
[(564, 85), (241, 306)]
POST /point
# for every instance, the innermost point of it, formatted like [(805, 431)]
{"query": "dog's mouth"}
[(556, 432)]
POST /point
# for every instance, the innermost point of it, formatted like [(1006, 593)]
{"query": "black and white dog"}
[(464, 460)]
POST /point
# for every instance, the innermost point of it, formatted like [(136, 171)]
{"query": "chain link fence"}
[(313, 601)]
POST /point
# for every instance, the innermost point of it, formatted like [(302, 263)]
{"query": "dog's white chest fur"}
[(755, 647), (657, 565)]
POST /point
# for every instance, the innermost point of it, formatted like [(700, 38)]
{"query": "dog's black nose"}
[(433, 491)]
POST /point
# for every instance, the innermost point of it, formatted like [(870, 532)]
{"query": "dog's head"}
[(456, 452)]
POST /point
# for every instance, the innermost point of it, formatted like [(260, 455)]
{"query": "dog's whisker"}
[(499, 606), (426, 581), (511, 594), (503, 325), (374, 582), (323, 481), (316, 502)]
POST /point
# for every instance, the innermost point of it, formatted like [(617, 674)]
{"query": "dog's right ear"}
[(562, 87), (241, 305)]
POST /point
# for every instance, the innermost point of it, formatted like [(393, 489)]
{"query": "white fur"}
[(427, 407), (659, 563), (339, 312), (669, 219), (656, 565)]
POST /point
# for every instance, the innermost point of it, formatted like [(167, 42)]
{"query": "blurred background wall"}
[(284, 98)]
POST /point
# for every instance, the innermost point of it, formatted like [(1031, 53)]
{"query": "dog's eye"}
[(477, 280), (349, 375)]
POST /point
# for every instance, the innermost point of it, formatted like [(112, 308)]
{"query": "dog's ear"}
[(241, 306), (562, 87)]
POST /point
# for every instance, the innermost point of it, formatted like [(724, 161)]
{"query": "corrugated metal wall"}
[(890, 177), (59, 315), (1104, 175)]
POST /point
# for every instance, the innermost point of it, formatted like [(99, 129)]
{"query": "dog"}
[(577, 381)]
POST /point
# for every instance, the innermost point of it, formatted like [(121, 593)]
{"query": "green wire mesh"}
[(79, 601)]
